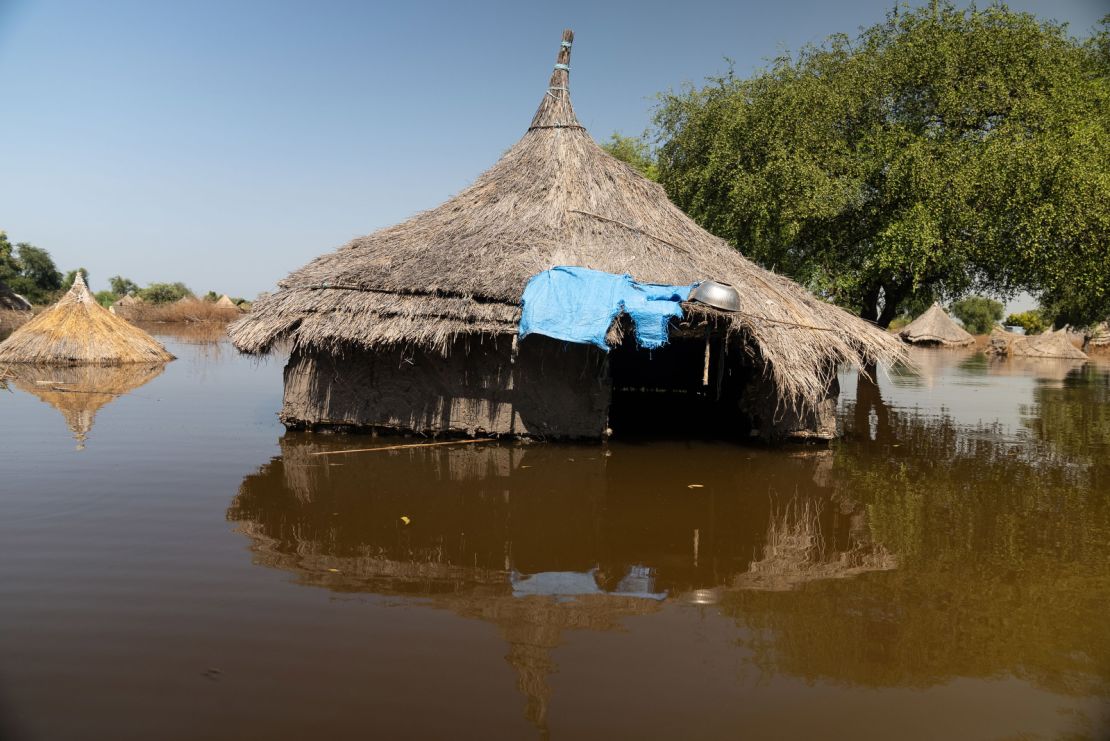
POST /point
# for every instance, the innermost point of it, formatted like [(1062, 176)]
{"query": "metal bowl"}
[(716, 294)]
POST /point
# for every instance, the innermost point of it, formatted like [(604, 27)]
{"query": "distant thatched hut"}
[(225, 302), (1047, 345), (415, 327), (1099, 339), (935, 327), (78, 331), (126, 306), (12, 301)]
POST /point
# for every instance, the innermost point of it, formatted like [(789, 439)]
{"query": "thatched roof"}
[(78, 392), (554, 198), (225, 302), (77, 330), (935, 327), (1047, 345), (1100, 336), (12, 301)]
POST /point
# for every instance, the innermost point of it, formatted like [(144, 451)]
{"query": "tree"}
[(106, 298), (978, 313), (939, 152), (163, 293), (72, 276), (9, 265), (635, 151), (123, 286), (37, 278), (1033, 322)]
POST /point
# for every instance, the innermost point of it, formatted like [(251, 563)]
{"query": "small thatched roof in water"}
[(225, 302), (1048, 345), (935, 327), (554, 198), (77, 331), (78, 392), (1100, 336), (12, 301)]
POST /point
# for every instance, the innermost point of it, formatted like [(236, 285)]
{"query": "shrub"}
[(978, 313), (1033, 322)]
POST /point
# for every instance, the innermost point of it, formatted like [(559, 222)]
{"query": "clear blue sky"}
[(226, 143)]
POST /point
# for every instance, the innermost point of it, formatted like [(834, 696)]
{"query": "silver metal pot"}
[(716, 294)]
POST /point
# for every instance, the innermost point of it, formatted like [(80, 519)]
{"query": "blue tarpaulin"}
[(579, 305)]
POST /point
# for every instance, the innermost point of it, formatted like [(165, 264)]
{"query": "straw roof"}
[(554, 198), (77, 330), (936, 327), (79, 391), (225, 302), (1100, 336), (1047, 345), (12, 301)]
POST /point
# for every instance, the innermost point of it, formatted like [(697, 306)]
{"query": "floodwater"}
[(172, 565)]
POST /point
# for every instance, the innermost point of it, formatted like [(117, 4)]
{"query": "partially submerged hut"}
[(1099, 339), (79, 331), (1049, 344), (415, 327), (225, 302), (12, 301), (126, 306), (935, 327)]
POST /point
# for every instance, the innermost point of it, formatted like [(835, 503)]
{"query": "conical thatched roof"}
[(1100, 336), (78, 392), (1047, 345), (77, 330), (554, 198), (12, 301), (937, 328), (225, 302)]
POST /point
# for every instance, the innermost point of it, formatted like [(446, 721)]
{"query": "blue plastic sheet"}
[(579, 305)]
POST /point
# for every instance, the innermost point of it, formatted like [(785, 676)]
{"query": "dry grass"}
[(555, 198), (935, 327), (12, 320), (77, 330), (189, 310)]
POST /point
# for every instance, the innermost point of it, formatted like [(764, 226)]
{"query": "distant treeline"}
[(30, 271)]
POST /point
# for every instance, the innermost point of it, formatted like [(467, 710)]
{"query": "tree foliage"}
[(978, 313), (939, 152), (71, 276), (29, 271), (121, 286), (635, 151), (1033, 322), (162, 293)]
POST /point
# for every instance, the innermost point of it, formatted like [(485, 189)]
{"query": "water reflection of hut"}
[(935, 327), (415, 327), (78, 330), (80, 391)]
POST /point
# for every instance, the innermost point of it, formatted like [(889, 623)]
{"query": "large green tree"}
[(942, 151)]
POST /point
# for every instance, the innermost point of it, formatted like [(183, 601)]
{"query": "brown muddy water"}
[(173, 566)]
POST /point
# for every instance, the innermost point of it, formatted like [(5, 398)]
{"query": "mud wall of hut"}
[(543, 389)]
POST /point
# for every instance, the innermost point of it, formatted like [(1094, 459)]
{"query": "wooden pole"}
[(402, 447)]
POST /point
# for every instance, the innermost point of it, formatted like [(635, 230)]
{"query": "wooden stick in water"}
[(412, 445)]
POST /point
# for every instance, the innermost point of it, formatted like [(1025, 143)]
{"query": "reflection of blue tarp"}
[(579, 305), (639, 583)]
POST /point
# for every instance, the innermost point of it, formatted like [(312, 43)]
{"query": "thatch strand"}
[(555, 198), (79, 331)]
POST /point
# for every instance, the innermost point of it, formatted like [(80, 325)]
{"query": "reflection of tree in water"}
[(1002, 563), (1074, 416)]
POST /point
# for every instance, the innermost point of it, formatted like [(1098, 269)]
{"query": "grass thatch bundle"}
[(76, 331), (554, 198), (1047, 345), (935, 327), (79, 391), (12, 301)]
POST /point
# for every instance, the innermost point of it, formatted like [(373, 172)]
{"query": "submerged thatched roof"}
[(225, 302), (935, 327), (1047, 345), (554, 198), (77, 330), (12, 301)]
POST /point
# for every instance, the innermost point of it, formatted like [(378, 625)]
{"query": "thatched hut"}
[(225, 302), (415, 327), (125, 306), (1099, 339), (12, 301), (1049, 344), (935, 327), (79, 331)]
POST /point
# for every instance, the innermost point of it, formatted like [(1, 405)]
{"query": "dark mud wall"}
[(550, 389)]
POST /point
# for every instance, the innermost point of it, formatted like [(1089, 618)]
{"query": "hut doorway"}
[(691, 386)]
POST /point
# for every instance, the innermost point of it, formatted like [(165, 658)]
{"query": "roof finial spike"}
[(555, 111)]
